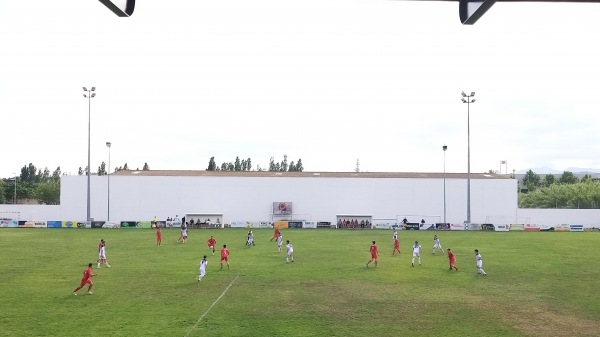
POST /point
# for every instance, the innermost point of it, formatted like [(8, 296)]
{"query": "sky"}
[(331, 82)]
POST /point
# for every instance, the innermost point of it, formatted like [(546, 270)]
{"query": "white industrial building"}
[(250, 196)]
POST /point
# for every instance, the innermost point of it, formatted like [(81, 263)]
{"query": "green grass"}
[(538, 284)]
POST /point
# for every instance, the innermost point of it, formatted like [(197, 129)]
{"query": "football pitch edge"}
[(212, 305)]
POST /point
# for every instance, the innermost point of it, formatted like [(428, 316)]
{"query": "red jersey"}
[(373, 250), (87, 274), (396, 243), (211, 242), (451, 256), (224, 252), (158, 234)]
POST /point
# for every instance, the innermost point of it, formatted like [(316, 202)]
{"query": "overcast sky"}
[(327, 81)]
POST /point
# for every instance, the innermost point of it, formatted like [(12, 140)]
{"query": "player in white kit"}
[(279, 242), (290, 252), (416, 252), (395, 236), (102, 254), (479, 263), (437, 244), (203, 264)]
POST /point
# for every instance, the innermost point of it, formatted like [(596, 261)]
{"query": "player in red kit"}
[(158, 237), (396, 246), (452, 260), (211, 243), (86, 279), (275, 234), (374, 253), (224, 256)]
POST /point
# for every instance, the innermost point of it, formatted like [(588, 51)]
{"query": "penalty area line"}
[(212, 305)]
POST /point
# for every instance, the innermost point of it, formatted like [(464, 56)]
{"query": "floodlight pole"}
[(467, 99), (15, 198), (89, 96), (108, 144), (444, 148)]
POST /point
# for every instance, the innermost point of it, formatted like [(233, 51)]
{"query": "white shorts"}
[(290, 252), (437, 245), (102, 256), (415, 253)]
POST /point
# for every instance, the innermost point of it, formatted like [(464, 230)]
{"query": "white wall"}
[(251, 198), (586, 217), (32, 212)]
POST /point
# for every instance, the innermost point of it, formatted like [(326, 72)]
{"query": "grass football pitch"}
[(538, 284)]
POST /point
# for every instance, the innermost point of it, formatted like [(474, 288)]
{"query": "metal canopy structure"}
[(123, 8), (469, 11)]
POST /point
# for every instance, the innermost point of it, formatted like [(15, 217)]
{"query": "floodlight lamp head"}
[(472, 92), (94, 89), (473, 101), (445, 147), (84, 89), (93, 95), (463, 100), (84, 95), (463, 94), (108, 144)]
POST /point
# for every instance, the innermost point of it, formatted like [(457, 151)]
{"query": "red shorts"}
[(373, 255), (84, 282), (224, 258), (453, 261)]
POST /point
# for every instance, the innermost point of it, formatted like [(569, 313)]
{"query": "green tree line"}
[(566, 192), (246, 165)]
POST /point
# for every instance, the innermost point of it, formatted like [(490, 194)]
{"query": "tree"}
[(292, 167), (48, 192), (568, 178), (3, 189), (212, 166), (238, 165), (299, 166), (80, 171), (248, 164), (102, 169), (549, 180), (146, 167), (125, 167), (284, 164), (272, 165), (586, 178), (56, 174), (531, 180)]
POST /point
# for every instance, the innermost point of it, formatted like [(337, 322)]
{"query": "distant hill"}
[(575, 170)]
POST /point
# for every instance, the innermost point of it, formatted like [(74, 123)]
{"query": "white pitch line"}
[(207, 310)]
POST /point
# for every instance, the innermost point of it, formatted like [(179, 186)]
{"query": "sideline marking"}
[(207, 310)]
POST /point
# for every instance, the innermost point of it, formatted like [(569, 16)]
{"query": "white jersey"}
[(416, 249), (436, 243), (102, 253), (290, 249), (478, 260), (280, 240), (395, 236), (203, 264)]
